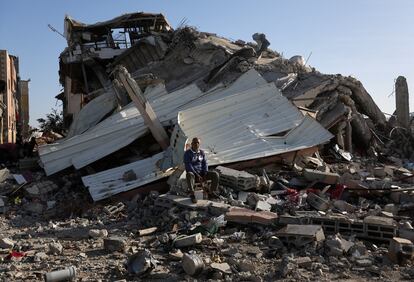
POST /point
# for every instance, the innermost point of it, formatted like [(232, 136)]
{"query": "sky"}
[(371, 40)]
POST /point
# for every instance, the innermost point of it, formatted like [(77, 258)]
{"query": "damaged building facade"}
[(14, 99)]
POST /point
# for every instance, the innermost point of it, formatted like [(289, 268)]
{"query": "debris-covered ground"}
[(314, 182)]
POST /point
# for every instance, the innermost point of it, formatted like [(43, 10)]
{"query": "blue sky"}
[(372, 40)]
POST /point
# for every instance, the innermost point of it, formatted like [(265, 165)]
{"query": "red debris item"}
[(292, 195), (336, 193), (13, 255)]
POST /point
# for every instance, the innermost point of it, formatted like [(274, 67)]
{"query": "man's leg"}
[(191, 185), (214, 177)]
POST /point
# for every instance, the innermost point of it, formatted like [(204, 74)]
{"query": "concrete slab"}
[(320, 176), (301, 235)]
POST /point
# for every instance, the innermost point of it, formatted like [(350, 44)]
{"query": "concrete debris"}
[(301, 235), (136, 92), (401, 250), (55, 248), (6, 243), (114, 244), (98, 233)]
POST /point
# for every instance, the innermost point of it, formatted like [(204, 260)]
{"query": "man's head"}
[(195, 144)]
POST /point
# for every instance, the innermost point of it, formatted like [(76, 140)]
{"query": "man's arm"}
[(188, 165), (204, 165)]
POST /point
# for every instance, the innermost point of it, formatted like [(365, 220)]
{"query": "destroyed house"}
[(92, 47)]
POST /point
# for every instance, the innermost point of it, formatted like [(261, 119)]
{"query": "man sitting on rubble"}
[(196, 168)]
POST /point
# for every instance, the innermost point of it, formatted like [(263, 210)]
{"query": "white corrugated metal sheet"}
[(110, 182), (124, 127), (235, 128)]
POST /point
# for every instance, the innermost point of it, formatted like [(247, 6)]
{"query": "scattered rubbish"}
[(67, 274), (192, 264), (141, 263)]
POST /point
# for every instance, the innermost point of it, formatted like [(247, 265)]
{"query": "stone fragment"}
[(304, 262), (301, 235), (263, 206), (55, 248), (321, 176), (223, 267), (363, 262), (41, 256), (246, 216), (98, 233), (400, 250), (6, 243), (34, 207), (114, 244), (147, 231), (317, 202)]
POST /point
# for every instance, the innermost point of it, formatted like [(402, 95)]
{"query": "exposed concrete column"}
[(348, 137), (143, 106), (402, 102)]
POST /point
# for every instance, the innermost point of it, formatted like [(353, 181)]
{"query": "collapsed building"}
[(313, 179), (178, 70)]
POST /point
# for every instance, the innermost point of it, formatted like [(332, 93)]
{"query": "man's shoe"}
[(193, 199)]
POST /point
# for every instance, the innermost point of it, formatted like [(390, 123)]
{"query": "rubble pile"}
[(314, 182)]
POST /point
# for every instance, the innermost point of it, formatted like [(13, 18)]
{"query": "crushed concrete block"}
[(6, 243), (391, 208), (222, 267), (304, 262), (321, 176), (217, 208), (300, 235), (246, 266), (263, 206), (317, 202), (246, 216), (4, 174), (188, 240), (34, 207), (98, 233), (240, 180), (55, 248), (344, 206), (406, 233), (242, 196), (114, 244), (400, 250), (379, 172), (147, 231), (363, 262), (41, 256)]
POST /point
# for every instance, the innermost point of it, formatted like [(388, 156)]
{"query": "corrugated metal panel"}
[(240, 127), (93, 112), (127, 125), (235, 128), (107, 183)]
